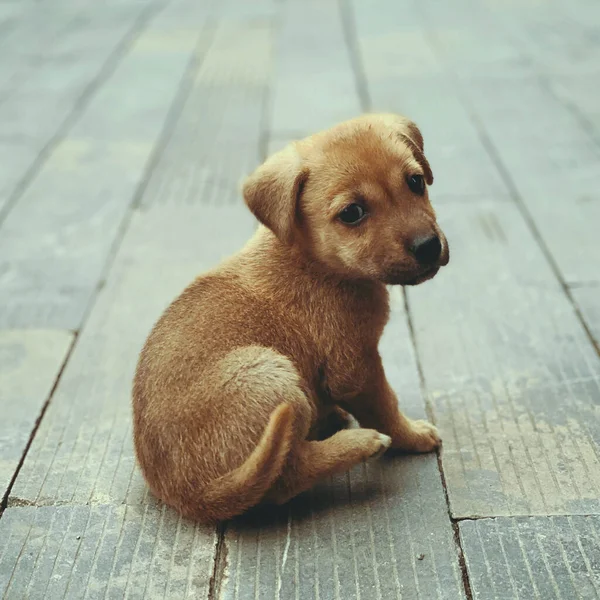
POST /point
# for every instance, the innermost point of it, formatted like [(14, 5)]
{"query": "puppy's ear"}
[(273, 192), (411, 136), (414, 139)]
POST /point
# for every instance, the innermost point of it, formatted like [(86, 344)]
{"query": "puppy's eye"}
[(352, 214), (416, 183)]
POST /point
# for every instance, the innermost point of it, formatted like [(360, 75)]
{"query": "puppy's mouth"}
[(400, 278), (424, 276)]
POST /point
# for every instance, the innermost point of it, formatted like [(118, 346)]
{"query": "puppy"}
[(242, 369)]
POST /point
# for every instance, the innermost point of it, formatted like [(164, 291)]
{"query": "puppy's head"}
[(355, 198)]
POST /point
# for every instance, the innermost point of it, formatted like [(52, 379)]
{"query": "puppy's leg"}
[(377, 408), (311, 462)]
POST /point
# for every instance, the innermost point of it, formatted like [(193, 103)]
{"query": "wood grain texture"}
[(83, 450), (552, 558), (30, 362), (215, 142), (587, 300), (56, 240), (50, 70), (382, 531), (565, 214), (510, 372), (103, 551), (314, 85)]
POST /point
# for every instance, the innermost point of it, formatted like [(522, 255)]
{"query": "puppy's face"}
[(355, 198)]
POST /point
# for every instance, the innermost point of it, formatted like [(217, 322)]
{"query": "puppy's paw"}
[(378, 444), (421, 437)]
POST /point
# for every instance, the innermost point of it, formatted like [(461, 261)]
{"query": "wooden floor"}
[(125, 129)]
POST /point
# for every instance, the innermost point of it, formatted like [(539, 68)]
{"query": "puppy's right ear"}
[(273, 191)]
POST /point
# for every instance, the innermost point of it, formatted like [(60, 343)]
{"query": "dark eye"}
[(352, 214), (416, 183)]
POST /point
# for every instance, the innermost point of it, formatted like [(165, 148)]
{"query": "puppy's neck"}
[(289, 268)]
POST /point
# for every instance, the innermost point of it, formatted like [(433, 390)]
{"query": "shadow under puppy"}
[(242, 369)]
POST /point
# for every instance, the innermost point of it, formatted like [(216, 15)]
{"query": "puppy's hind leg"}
[(310, 462)]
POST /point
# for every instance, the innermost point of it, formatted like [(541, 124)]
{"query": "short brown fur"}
[(249, 363)]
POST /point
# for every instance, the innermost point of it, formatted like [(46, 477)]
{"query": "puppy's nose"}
[(427, 250)]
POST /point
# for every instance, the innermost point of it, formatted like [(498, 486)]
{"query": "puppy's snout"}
[(427, 249)]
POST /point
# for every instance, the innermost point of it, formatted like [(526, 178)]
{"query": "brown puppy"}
[(244, 366)]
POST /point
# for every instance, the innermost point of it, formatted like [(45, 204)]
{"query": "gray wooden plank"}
[(556, 181), (15, 159), (561, 41), (55, 241), (581, 92), (83, 450), (103, 551), (510, 372), (380, 532), (314, 85), (217, 137), (537, 557), (46, 87), (588, 302), (30, 362), (359, 535), (239, 10)]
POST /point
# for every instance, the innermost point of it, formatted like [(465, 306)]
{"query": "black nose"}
[(427, 250)]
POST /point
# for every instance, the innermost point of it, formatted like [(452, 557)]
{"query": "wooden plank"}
[(83, 450), (555, 181), (311, 49), (103, 551), (557, 42), (525, 558), (45, 86), (56, 240), (30, 362), (588, 302), (582, 93), (359, 535), (510, 372), (206, 158)]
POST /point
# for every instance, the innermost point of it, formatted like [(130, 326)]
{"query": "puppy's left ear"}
[(411, 136), (414, 139), (273, 192)]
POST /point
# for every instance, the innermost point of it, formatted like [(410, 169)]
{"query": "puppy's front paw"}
[(378, 444), (422, 436)]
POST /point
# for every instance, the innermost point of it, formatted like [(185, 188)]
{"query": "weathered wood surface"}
[(524, 558), (380, 532), (125, 130), (103, 551), (29, 365), (588, 302), (52, 61)]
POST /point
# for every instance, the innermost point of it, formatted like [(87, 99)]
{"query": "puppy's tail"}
[(234, 493)]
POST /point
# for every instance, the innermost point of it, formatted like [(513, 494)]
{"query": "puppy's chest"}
[(342, 367), (345, 340), (339, 380)]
